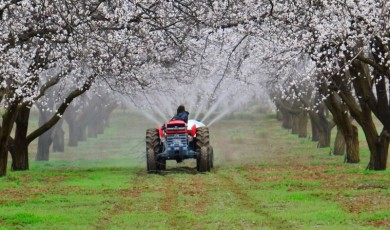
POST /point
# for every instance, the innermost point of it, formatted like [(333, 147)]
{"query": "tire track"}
[(247, 202), (170, 195), (137, 187), (196, 188)]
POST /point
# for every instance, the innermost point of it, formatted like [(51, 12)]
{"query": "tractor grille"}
[(176, 128), (177, 139)]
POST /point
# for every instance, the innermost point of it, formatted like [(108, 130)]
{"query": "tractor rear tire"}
[(211, 156), (203, 164), (202, 137), (202, 147), (152, 148), (151, 161), (202, 144)]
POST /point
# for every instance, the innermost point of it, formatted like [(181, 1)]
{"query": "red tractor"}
[(178, 141)]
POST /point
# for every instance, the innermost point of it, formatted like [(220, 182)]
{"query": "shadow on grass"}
[(176, 170), (179, 170)]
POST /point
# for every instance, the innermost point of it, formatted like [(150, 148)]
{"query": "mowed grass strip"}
[(265, 178)]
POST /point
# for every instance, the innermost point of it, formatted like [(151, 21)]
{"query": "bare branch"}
[(61, 109)]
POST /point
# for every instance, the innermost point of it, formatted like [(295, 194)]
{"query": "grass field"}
[(265, 178)]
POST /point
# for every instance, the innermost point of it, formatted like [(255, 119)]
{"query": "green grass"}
[(265, 178)]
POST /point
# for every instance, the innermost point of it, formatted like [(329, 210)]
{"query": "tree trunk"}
[(58, 137), (72, 141), (77, 127), (315, 133), (322, 128), (89, 115), (339, 144), (352, 146), (325, 130), (19, 155), (92, 129), (324, 140), (378, 158), (100, 126), (295, 124), (81, 132), (44, 140), (96, 125), (287, 120), (279, 115), (289, 111), (70, 118), (19, 146), (107, 113), (9, 117), (345, 128), (378, 144), (302, 132)]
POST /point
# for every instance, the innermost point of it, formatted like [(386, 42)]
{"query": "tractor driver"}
[(181, 114)]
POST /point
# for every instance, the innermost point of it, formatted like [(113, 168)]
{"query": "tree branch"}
[(227, 64), (60, 111), (53, 81), (373, 64)]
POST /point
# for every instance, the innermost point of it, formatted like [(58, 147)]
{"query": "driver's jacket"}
[(183, 116)]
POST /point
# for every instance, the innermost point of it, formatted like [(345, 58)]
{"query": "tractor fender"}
[(160, 131), (192, 131)]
